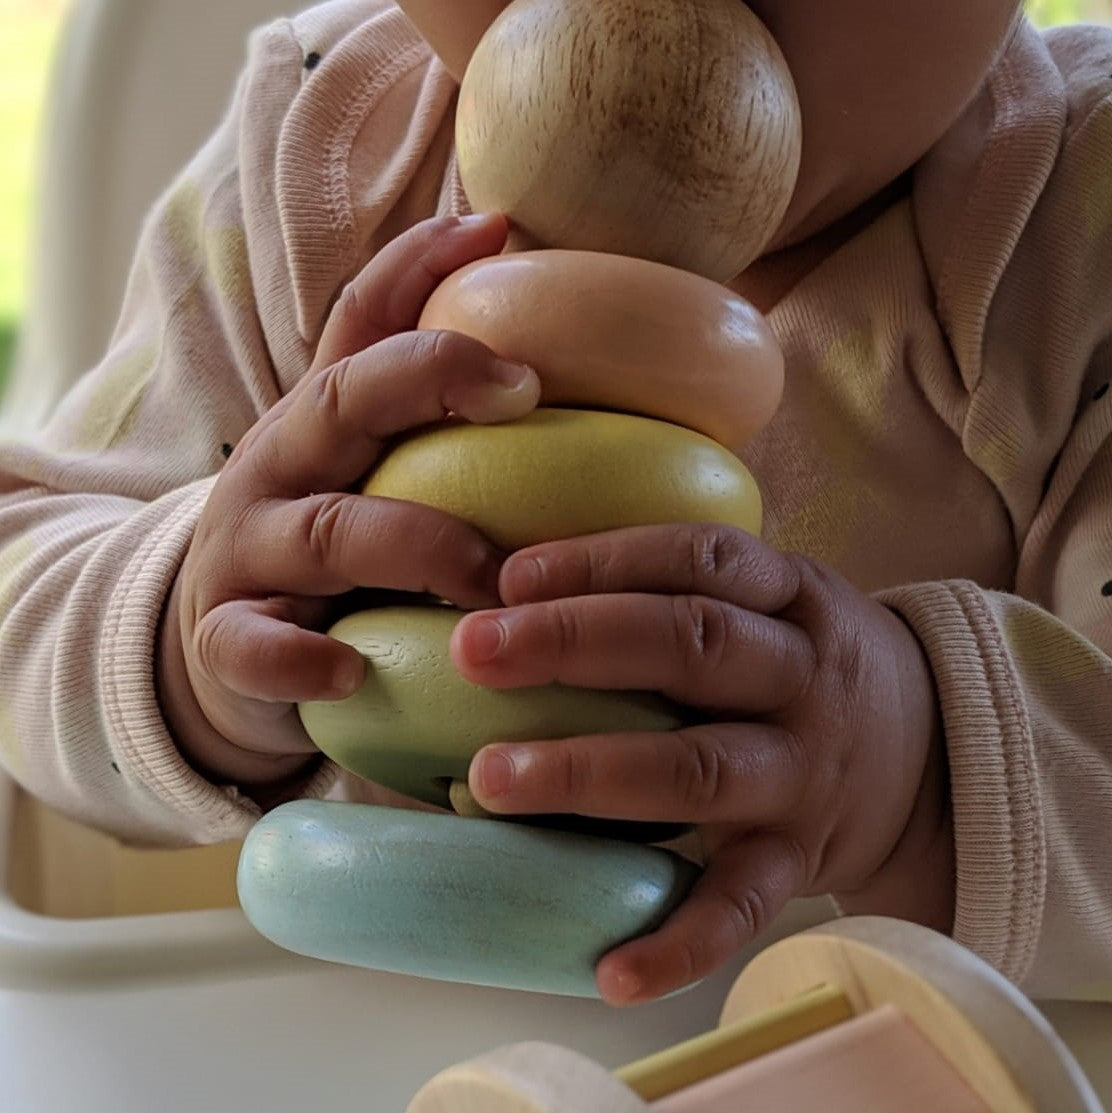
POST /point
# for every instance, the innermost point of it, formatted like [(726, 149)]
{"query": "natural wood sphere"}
[(663, 129)]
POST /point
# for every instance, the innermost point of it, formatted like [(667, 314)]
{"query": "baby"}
[(903, 693)]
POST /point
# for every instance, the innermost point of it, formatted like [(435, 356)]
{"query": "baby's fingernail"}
[(508, 391), (620, 987), (512, 375), (476, 220), (494, 772), (523, 576), (486, 638), (348, 677)]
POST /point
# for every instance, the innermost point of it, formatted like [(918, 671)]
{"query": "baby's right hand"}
[(283, 533)]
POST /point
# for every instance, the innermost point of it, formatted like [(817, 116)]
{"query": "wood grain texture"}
[(62, 869), (668, 131), (527, 1078), (464, 900), (993, 1035)]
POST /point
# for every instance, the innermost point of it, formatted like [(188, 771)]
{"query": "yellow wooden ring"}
[(415, 724), (560, 473)]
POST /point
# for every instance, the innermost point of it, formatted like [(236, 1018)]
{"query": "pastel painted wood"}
[(875, 1063), (934, 1028), (724, 1048), (415, 724), (467, 900), (675, 327), (992, 1034)]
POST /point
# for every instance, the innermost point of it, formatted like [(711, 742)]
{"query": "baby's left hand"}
[(817, 765)]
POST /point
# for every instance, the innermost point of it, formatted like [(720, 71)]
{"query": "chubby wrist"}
[(264, 777), (917, 881)]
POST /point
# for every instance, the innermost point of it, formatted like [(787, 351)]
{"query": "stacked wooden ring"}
[(645, 153)]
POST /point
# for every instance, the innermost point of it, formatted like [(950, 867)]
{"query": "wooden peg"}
[(726, 1047)]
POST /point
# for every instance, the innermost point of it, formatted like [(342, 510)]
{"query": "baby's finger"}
[(744, 888), (253, 649), (741, 773), (694, 649), (717, 561), (388, 294), (328, 432), (331, 543)]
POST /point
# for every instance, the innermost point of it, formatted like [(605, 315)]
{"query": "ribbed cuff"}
[(189, 808), (998, 828)]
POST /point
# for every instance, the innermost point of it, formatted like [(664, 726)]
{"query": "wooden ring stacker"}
[(660, 142), (863, 1015)]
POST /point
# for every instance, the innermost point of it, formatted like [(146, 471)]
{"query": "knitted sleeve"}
[(224, 303), (1025, 676)]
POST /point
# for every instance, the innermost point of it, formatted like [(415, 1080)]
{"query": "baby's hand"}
[(283, 533), (818, 766)]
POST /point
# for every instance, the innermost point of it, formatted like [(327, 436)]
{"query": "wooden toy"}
[(395, 734), (861, 1015), (840, 1065), (649, 150), (622, 335), (665, 131), (479, 901), (739, 1041)]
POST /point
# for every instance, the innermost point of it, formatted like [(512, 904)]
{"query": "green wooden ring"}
[(415, 723), (464, 900)]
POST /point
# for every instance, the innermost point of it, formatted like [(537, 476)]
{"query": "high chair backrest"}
[(136, 86)]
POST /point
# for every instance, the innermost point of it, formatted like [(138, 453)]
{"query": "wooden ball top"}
[(663, 129)]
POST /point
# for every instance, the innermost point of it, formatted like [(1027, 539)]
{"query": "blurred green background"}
[(28, 29)]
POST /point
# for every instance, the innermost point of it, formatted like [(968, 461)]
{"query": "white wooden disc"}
[(988, 1030), (529, 1077)]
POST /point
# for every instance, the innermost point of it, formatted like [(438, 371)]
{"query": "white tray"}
[(191, 1011)]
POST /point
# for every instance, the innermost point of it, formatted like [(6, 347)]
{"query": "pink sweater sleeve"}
[(1025, 676), (221, 313)]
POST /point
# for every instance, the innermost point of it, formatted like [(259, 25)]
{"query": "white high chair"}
[(129, 982), (135, 89)]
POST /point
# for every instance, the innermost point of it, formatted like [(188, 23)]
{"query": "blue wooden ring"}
[(464, 900)]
